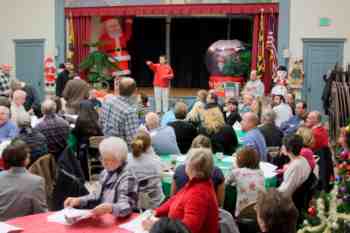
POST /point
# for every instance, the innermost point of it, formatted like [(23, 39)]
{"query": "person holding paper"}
[(118, 192), (21, 193)]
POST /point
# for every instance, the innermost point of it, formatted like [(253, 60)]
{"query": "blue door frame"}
[(29, 62), (320, 56)]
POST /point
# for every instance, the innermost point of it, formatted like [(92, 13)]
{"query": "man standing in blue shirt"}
[(254, 137), (292, 125), (8, 129)]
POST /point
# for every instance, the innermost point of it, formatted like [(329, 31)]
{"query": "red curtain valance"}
[(174, 9)]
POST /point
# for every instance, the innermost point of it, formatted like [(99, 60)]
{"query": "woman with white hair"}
[(195, 205), (17, 105), (118, 193)]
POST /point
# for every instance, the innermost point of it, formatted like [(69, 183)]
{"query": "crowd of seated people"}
[(131, 149)]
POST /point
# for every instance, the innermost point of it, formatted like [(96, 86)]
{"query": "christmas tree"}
[(331, 213)]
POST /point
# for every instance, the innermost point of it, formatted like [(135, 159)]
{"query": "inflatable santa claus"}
[(49, 72), (113, 41)]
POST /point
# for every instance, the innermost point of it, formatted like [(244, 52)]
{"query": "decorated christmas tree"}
[(331, 212)]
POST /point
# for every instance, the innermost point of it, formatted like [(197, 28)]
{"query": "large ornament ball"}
[(343, 189), (312, 211), (346, 198), (220, 52), (335, 225)]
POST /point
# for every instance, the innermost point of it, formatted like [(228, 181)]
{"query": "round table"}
[(38, 224)]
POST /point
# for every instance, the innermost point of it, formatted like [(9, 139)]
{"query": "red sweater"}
[(162, 74), (320, 138), (195, 205)]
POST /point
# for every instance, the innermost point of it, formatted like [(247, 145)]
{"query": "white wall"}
[(305, 18), (24, 19)]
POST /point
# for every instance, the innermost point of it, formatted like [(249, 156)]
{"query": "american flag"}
[(271, 45)]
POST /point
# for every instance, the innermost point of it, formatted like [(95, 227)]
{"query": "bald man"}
[(254, 138), (320, 133), (163, 137), (119, 114)]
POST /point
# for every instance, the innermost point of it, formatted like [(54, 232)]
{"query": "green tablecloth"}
[(225, 165)]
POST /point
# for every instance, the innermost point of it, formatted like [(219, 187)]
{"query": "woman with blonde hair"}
[(146, 166), (308, 140), (195, 116), (222, 135)]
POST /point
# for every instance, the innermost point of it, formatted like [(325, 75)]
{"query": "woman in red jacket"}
[(162, 76), (195, 205)]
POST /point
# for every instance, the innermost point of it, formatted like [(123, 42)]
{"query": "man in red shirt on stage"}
[(319, 132), (114, 42), (163, 73)]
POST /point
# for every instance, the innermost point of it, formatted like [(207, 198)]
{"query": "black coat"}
[(224, 141), (232, 118), (185, 133), (69, 179), (272, 134), (61, 82), (32, 99)]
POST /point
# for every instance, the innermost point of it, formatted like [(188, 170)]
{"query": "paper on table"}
[(268, 169), (228, 159), (134, 225), (6, 228), (181, 158), (69, 216)]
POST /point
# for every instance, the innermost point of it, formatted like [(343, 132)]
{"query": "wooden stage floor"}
[(174, 92)]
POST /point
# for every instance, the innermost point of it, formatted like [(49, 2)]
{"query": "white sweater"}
[(296, 174)]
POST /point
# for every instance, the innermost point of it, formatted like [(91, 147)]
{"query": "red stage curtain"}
[(82, 33), (174, 9)]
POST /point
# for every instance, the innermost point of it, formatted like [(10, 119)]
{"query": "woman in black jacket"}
[(86, 126), (222, 136)]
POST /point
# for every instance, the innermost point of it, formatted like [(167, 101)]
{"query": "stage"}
[(174, 92), (187, 95)]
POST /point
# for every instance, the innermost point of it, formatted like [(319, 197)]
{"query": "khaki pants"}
[(161, 96)]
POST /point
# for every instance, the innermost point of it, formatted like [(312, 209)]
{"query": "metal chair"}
[(94, 164)]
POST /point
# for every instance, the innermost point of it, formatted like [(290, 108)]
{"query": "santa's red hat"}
[(105, 18)]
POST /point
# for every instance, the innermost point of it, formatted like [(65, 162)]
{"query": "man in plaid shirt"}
[(119, 115), (54, 128), (5, 80)]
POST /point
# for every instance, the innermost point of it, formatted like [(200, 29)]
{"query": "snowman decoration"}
[(281, 81)]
